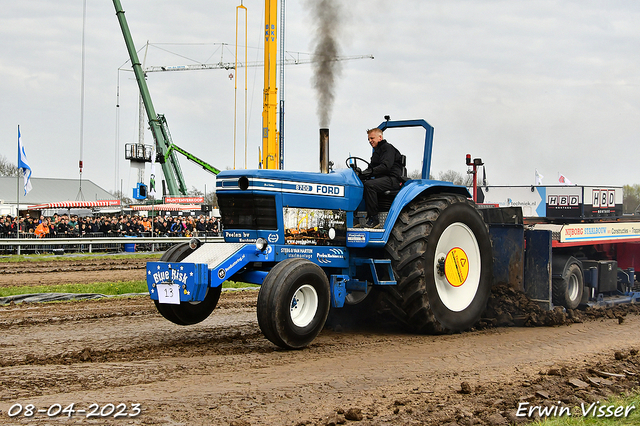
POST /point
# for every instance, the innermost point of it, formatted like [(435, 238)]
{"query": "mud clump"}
[(353, 414), (508, 307), (465, 388)]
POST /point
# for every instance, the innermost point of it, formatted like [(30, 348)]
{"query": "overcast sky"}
[(525, 85)]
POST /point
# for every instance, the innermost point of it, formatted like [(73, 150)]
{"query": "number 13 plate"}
[(169, 293)]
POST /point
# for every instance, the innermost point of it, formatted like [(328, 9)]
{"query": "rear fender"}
[(408, 193)]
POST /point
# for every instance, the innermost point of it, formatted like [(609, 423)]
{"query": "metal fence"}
[(93, 243)]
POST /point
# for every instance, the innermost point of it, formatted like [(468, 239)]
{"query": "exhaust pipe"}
[(324, 150)]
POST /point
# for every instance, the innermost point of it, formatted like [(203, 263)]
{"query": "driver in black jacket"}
[(383, 174)]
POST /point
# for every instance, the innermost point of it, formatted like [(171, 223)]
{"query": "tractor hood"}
[(340, 190)]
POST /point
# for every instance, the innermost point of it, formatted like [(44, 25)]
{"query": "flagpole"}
[(18, 193), (23, 165)]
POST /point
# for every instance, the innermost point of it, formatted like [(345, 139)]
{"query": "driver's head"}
[(375, 136)]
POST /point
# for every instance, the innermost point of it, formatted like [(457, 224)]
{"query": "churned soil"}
[(224, 372), (102, 268)]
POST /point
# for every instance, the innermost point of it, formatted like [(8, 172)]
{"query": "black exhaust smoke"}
[(327, 18)]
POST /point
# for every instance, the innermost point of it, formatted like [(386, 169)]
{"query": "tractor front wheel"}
[(293, 303)]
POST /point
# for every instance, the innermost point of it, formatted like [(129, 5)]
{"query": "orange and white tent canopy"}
[(75, 204)]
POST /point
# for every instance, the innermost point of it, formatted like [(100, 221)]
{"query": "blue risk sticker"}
[(192, 278)]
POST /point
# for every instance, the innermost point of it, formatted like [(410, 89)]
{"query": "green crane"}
[(208, 167), (166, 149)]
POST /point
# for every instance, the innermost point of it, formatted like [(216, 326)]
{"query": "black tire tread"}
[(170, 256), (265, 301), (274, 298), (559, 290), (407, 244), (187, 313)]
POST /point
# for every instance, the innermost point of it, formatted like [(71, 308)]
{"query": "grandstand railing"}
[(93, 243)]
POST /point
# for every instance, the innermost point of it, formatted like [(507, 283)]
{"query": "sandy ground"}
[(224, 372)]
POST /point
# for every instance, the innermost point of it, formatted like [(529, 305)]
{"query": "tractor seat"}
[(386, 198)]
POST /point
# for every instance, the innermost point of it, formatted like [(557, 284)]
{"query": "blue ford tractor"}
[(298, 236)]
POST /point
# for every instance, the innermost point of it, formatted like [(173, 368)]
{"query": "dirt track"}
[(223, 371), (96, 269)]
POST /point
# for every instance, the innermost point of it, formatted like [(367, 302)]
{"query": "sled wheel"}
[(187, 313), (194, 312), (174, 254), (567, 289), (293, 303), (441, 254)]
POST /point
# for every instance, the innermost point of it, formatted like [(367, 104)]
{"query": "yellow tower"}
[(270, 153)]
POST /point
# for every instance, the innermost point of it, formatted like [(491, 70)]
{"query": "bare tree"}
[(211, 199), (415, 174), (630, 198), (123, 199), (195, 192), (456, 178), (7, 168)]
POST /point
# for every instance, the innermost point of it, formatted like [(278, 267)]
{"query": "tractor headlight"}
[(194, 243), (261, 244)]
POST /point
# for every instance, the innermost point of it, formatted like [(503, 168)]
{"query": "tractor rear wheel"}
[(187, 313), (441, 255), (293, 303)]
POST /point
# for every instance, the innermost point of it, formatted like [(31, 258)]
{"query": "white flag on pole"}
[(538, 178), (563, 179)]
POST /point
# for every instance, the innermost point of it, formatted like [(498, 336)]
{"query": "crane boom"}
[(231, 65), (206, 166), (292, 60)]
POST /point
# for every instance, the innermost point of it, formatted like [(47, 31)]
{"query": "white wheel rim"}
[(457, 283), (304, 305), (573, 287)]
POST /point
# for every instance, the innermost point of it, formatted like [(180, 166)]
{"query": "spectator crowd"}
[(69, 226)]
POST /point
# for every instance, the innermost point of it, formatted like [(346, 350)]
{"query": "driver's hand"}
[(366, 174)]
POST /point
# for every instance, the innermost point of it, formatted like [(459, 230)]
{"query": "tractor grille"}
[(248, 211)]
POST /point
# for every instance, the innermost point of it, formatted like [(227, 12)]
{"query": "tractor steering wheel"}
[(354, 165)]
